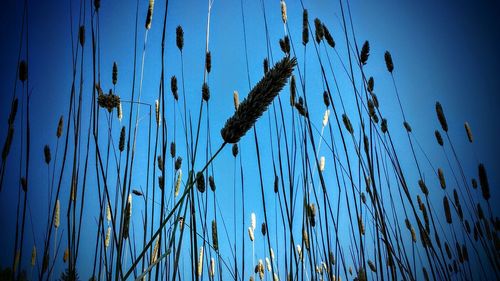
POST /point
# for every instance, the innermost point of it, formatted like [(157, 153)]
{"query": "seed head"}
[(257, 101)]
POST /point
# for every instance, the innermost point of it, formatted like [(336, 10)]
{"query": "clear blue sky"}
[(443, 51)]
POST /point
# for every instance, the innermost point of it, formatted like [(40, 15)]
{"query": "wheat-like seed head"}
[(108, 237), (157, 112), (283, 11), (212, 267), (372, 266), (326, 116), (57, 214), (447, 211), (114, 74), (108, 213), (272, 253), (441, 117), (60, 127), (33, 256), (46, 152), (251, 234), (119, 112), (322, 164), (257, 101), (305, 27), (215, 238), (155, 251), (268, 264), (200, 262), (365, 53), (178, 183), (149, 17), (468, 130), (66, 255), (483, 181), (299, 251), (179, 38), (388, 61)]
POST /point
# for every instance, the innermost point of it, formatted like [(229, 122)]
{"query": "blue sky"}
[(443, 51)]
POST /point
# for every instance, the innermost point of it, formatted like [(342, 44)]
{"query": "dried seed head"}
[(23, 71), (211, 183), (173, 87), (161, 182), (160, 163), (137, 192), (328, 37), (468, 131), (283, 11), (372, 266), (81, 35), (322, 164), (157, 112), (272, 253), (200, 262), (33, 256), (178, 163), (208, 62), (268, 264), (154, 255), (119, 112), (178, 183), (263, 229), (361, 226), (13, 112), (128, 214), (114, 75), (370, 84), (46, 152), (305, 238), (205, 92), (212, 267), (439, 138), (442, 180), (388, 61), (326, 99), (458, 205), (172, 149), (293, 90), (179, 38), (149, 16), (121, 143), (66, 255), (257, 101), (299, 251), (407, 127), (319, 31), (423, 187), (250, 233), (215, 237), (97, 5), (285, 45), (441, 117), (447, 211), (108, 237), (200, 182), (383, 125), (108, 101), (235, 149), (326, 116), (365, 53), (57, 220), (347, 123), (108, 213), (483, 180), (59, 127), (305, 27)]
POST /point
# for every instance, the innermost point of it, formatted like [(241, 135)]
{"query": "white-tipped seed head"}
[(326, 116), (268, 264), (108, 213), (33, 256), (200, 262), (322, 164), (236, 100), (157, 111), (119, 112), (178, 183), (250, 233), (108, 237), (212, 267), (272, 254), (57, 220), (283, 11)]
